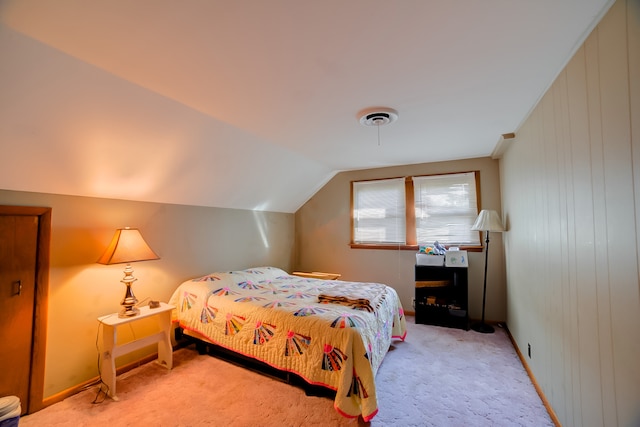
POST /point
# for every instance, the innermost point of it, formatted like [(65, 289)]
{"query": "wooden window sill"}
[(405, 247)]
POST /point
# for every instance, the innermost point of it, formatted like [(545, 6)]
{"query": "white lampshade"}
[(127, 245), (488, 221)]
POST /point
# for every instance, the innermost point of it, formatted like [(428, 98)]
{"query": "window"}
[(415, 211), (379, 211), (446, 207)]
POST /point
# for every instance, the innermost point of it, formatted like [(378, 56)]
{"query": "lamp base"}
[(129, 312), (129, 301), (483, 328)]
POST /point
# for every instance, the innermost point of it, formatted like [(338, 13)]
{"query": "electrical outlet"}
[(529, 350)]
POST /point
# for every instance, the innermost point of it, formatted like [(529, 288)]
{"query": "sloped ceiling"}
[(254, 104)]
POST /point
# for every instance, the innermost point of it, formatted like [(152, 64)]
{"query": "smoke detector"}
[(378, 116)]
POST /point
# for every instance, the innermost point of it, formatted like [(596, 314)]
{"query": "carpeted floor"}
[(437, 377)]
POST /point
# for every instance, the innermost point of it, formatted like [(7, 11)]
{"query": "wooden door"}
[(18, 260)]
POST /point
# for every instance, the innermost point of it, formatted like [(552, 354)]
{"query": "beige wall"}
[(323, 235), (571, 196), (190, 241)]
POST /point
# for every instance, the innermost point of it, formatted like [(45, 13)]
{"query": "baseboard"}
[(545, 402), (59, 397)]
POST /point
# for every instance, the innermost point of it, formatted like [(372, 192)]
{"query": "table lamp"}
[(127, 246)]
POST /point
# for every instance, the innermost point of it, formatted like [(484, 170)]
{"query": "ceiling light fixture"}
[(377, 117)]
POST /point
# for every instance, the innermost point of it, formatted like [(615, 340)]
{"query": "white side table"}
[(112, 350)]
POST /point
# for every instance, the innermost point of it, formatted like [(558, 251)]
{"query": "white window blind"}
[(446, 207), (379, 211)]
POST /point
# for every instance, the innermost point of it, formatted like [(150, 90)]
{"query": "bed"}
[(331, 333)]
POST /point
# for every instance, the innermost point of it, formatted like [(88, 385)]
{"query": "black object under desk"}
[(442, 296)]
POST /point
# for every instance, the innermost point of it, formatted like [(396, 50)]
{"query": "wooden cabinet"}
[(18, 257), (441, 296)]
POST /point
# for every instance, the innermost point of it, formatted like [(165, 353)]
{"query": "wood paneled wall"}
[(571, 199)]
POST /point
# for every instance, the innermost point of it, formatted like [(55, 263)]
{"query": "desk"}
[(112, 350), (441, 296)]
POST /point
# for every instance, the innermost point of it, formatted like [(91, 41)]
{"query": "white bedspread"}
[(276, 318)]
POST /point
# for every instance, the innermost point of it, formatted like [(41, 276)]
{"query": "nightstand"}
[(112, 350)]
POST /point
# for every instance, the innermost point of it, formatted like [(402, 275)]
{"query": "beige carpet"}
[(437, 377)]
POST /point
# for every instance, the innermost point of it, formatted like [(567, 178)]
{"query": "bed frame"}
[(214, 350)]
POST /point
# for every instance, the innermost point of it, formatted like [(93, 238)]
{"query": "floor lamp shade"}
[(127, 246), (487, 221)]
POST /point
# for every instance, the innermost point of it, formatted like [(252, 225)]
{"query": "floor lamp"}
[(487, 221)]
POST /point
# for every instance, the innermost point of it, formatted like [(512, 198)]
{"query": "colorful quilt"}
[(271, 316)]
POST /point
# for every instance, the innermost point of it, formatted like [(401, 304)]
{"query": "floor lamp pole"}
[(483, 327)]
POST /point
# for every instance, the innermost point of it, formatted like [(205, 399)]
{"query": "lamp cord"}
[(100, 381)]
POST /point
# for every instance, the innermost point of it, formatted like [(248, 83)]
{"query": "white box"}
[(424, 259), (456, 259)]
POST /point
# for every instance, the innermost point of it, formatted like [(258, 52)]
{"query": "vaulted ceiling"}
[(255, 104)]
